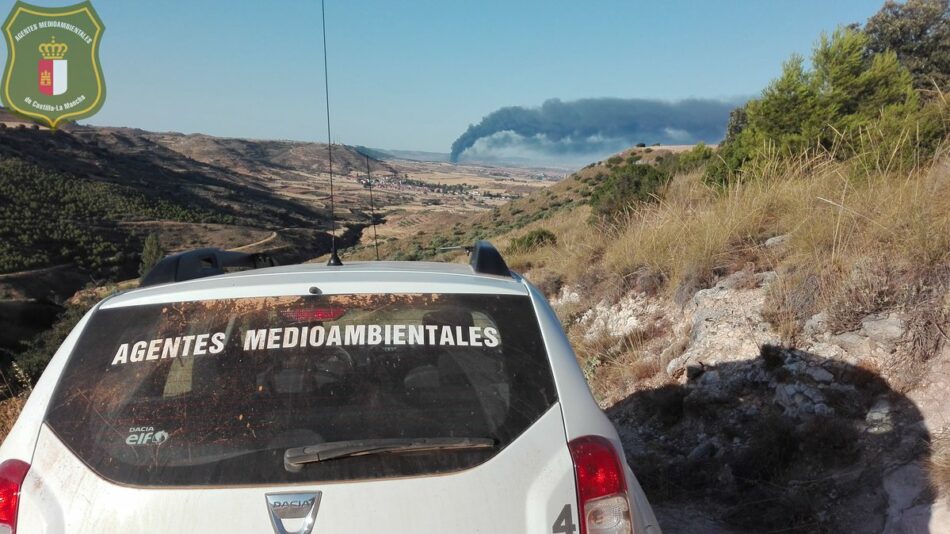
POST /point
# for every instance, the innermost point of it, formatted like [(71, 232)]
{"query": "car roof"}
[(310, 278)]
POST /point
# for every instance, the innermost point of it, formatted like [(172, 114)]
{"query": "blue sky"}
[(415, 74)]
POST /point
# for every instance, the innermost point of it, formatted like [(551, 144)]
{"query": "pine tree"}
[(918, 31), (152, 253), (829, 104)]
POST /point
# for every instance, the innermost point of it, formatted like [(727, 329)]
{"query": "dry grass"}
[(856, 233), (836, 214), (863, 237), (790, 300), (16, 394), (570, 257), (858, 237), (617, 365), (9, 411)]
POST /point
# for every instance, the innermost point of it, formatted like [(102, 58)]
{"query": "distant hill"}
[(374, 153), (82, 199), (257, 156), (417, 155), (223, 180)]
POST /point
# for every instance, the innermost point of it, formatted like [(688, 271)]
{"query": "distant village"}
[(403, 183)]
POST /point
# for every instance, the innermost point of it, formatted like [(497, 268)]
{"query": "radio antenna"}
[(372, 205), (334, 259)]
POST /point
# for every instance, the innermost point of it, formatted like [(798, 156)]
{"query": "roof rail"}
[(202, 262), (485, 259)]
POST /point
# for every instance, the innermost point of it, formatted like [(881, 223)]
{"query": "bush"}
[(41, 349), (624, 186), (692, 159), (533, 240)]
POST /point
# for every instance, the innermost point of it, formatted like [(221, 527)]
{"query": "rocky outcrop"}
[(725, 322), (748, 435), (622, 318)]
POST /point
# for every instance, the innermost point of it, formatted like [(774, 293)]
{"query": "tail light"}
[(601, 487), (12, 473), (313, 314)]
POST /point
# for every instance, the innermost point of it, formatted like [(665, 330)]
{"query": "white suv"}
[(376, 397)]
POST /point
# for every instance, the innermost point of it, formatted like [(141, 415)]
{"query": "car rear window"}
[(214, 392)]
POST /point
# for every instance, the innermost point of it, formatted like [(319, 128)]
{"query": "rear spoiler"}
[(203, 262)]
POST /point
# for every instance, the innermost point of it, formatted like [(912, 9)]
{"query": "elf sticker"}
[(145, 435)]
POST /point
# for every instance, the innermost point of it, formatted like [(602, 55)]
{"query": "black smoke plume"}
[(596, 125)]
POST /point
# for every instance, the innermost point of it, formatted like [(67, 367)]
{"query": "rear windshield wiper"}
[(295, 458)]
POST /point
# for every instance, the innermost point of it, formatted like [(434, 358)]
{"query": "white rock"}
[(776, 241), (885, 330), (878, 417), (622, 318), (815, 325), (568, 295)]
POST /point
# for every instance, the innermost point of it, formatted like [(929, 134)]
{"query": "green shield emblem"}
[(53, 72)]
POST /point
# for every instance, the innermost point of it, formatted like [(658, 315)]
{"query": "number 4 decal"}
[(564, 524)]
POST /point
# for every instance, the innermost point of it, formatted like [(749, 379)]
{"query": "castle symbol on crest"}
[(52, 68)]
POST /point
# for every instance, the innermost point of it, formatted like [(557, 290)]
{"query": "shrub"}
[(48, 218), (533, 240), (692, 159), (40, 350), (548, 282), (624, 186)]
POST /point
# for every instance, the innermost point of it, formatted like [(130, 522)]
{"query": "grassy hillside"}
[(87, 196), (857, 235), (841, 244), (142, 166), (566, 198)]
